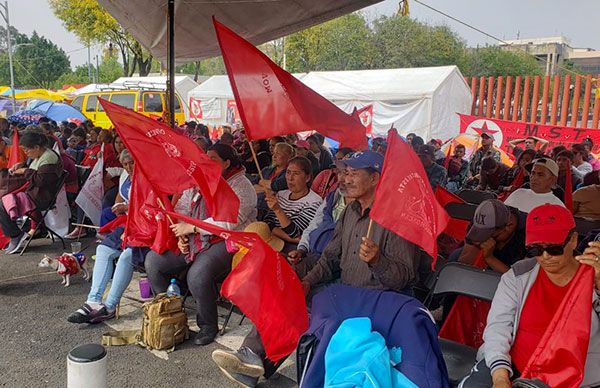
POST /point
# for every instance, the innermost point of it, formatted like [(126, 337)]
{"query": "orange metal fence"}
[(564, 101)]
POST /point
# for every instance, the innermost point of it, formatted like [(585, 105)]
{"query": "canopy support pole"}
[(171, 63)]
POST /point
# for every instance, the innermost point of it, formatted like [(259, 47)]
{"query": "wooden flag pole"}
[(369, 229), (255, 160), (162, 206)]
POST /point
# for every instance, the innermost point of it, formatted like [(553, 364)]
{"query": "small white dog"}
[(66, 265)]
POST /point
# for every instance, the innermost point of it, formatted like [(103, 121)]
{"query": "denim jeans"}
[(103, 272)]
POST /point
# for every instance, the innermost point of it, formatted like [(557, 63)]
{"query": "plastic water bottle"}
[(173, 289)]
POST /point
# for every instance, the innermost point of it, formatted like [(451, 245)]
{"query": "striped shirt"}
[(300, 211)]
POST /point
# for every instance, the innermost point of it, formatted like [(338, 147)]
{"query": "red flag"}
[(456, 228), (365, 114), (147, 224), (404, 200), (516, 183), (568, 198), (172, 162), (559, 360), (266, 288), (272, 102), (114, 224), (16, 155)]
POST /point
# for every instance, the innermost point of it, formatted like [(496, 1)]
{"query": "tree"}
[(208, 67), (494, 61), (340, 44), (403, 42), (91, 23), (109, 70)]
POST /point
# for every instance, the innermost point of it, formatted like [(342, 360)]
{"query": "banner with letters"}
[(505, 131)]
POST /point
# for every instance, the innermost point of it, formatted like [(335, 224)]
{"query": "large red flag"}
[(266, 288), (146, 224), (172, 162), (559, 360), (16, 155), (272, 102), (404, 200), (456, 228)]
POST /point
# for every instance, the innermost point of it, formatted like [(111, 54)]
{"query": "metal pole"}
[(89, 65), (10, 56), (171, 62), (97, 70)]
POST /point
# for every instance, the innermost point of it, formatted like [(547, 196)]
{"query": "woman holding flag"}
[(204, 255)]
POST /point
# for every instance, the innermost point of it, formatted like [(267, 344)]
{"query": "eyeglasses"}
[(538, 250)]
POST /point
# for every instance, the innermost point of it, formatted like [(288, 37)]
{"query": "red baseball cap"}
[(548, 224), (302, 144)]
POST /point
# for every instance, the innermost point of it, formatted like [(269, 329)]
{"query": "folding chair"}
[(461, 279), (461, 211), (33, 215), (475, 197)]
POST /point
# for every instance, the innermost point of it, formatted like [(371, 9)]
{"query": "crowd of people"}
[(312, 204)]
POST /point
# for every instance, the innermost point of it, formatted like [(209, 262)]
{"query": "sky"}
[(505, 19)]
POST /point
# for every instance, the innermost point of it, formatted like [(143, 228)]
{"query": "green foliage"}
[(109, 70), (494, 61), (38, 62)]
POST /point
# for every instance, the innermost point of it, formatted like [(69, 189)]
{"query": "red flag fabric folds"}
[(114, 224), (16, 155), (559, 360), (456, 228), (568, 198), (266, 288), (272, 102), (404, 200), (146, 224), (171, 162)]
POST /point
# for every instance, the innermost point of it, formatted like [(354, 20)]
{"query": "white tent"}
[(419, 100), (183, 84)]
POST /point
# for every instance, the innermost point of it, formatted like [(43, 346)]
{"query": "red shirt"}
[(540, 306)]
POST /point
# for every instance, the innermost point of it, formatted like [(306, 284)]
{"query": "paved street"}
[(36, 337)]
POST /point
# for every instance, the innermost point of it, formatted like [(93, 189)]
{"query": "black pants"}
[(210, 267), (9, 227)]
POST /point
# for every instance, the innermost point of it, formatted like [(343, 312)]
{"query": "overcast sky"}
[(505, 19)]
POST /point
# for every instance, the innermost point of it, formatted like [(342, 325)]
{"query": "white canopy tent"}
[(420, 100), (258, 21)]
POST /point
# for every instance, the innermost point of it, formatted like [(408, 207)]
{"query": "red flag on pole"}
[(272, 102), (559, 360), (146, 224), (114, 224), (456, 228), (16, 155), (569, 188), (172, 162), (266, 288), (365, 114), (404, 200), (448, 156)]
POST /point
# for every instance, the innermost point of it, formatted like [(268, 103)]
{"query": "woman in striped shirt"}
[(292, 210)]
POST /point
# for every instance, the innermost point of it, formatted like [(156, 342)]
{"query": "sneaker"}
[(104, 314), (16, 243), (243, 362), (82, 315), (205, 336), (240, 379), (78, 232)]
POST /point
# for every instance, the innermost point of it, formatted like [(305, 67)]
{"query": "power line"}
[(492, 36)]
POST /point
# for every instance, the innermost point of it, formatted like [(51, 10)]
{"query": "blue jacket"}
[(320, 237), (403, 321)]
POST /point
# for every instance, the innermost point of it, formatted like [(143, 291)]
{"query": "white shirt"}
[(584, 168), (525, 200)]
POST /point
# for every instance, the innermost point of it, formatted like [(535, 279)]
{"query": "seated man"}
[(436, 174), (493, 176), (458, 168), (531, 143), (382, 261), (498, 233), (542, 179), (529, 295), (586, 202), (564, 160)]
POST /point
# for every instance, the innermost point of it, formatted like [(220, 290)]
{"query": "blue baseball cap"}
[(365, 159)]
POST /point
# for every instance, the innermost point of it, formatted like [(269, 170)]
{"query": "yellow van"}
[(147, 102)]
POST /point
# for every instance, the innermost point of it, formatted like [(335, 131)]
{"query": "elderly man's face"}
[(557, 264), (486, 141), (541, 180), (360, 182)]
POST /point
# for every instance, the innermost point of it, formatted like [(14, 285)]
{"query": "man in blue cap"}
[(376, 260)]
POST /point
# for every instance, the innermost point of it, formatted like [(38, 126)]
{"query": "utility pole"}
[(10, 58), (97, 70), (89, 65)]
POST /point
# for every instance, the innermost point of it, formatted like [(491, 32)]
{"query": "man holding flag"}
[(363, 252), (545, 318)]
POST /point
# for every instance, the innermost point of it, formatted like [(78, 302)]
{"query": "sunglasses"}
[(538, 250)]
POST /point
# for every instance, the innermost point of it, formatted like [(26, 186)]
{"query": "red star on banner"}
[(484, 130)]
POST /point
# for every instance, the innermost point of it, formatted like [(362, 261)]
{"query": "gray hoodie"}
[(503, 321)]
